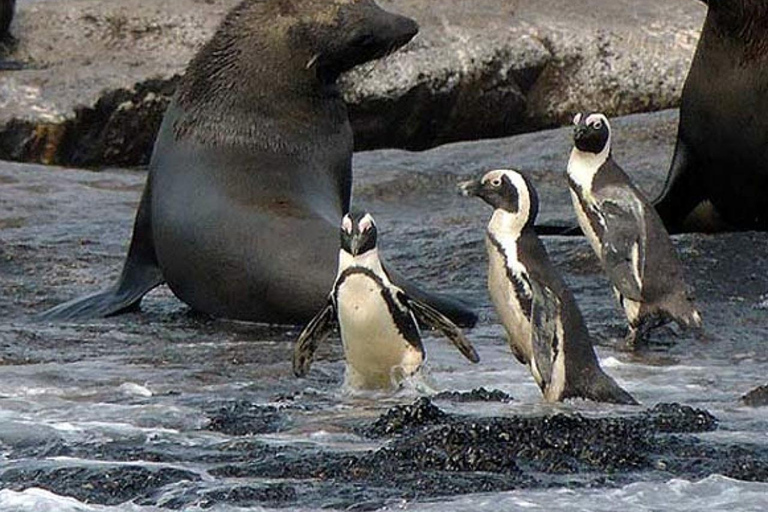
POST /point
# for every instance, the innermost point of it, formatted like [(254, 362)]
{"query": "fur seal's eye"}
[(496, 182), (597, 125)]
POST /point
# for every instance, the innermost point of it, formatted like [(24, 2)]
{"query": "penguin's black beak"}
[(470, 188), (356, 243), (362, 241), (579, 132)]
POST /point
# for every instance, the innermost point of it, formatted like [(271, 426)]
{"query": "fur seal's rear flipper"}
[(140, 274), (456, 310)]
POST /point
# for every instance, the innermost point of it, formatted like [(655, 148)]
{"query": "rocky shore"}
[(97, 76)]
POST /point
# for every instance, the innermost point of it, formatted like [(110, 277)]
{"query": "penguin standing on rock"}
[(544, 325), (627, 234), (377, 320)]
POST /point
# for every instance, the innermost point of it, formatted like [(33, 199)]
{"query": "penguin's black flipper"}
[(545, 320), (433, 318), (623, 243), (316, 331), (141, 273), (456, 310)]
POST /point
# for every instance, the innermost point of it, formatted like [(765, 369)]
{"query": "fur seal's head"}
[(351, 33), (279, 60), (742, 21), (591, 132), (297, 47)]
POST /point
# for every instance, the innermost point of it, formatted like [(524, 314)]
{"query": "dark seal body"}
[(6, 17), (722, 147), (251, 169)]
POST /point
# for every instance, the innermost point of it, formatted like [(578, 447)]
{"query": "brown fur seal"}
[(251, 170), (721, 156)]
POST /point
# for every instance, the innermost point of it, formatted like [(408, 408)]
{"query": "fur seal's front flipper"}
[(456, 310), (140, 274), (682, 191)]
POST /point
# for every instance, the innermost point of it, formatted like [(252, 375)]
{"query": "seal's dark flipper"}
[(602, 388), (140, 274), (456, 310), (681, 193)]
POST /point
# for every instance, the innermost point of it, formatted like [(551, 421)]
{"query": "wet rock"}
[(103, 485), (244, 418), (674, 418), (406, 417), (476, 395), (448, 450), (758, 397), (237, 495), (98, 76)]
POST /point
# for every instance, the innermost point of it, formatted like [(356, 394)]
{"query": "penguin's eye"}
[(496, 182), (597, 125)]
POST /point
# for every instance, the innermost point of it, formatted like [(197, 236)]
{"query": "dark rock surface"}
[(758, 397), (476, 395), (107, 486), (99, 75), (244, 418)]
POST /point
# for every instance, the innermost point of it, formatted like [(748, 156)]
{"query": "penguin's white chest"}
[(377, 354), (505, 296)]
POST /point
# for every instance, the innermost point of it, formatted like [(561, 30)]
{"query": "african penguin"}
[(627, 234), (377, 320), (544, 326)]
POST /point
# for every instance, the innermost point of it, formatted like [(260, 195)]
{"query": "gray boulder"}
[(98, 75)]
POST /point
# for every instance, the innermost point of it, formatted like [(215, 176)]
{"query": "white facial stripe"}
[(523, 194), (598, 117), (491, 176), (577, 118), (346, 223), (366, 222)]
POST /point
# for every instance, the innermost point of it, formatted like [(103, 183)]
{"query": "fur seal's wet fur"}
[(251, 170), (722, 144), (6, 16)]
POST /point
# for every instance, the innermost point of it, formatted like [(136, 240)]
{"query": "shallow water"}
[(164, 391)]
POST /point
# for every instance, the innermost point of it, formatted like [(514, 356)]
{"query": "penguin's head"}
[(591, 132), (358, 233), (507, 190)]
